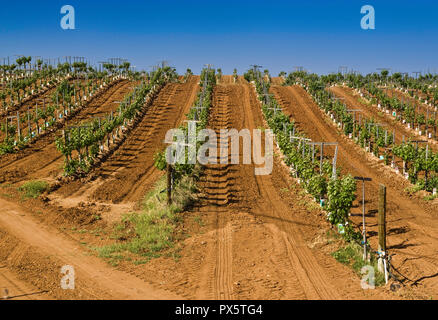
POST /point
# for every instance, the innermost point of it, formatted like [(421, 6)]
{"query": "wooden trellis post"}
[(169, 183)]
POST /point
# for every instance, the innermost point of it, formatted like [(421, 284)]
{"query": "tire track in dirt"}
[(94, 278), (129, 172), (11, 288), (258, 195), (42, 160), (411, 223), (216, 276), (223, 287), (312, 277)]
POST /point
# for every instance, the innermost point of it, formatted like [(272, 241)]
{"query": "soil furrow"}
[(42, 160), (370, 112), (129, 172), (310, 273), (411, 222)]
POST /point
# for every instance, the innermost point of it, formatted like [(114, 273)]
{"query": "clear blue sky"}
[(319, 35)]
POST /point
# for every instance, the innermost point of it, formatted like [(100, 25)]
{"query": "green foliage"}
[(368, 132), (317, 186), (351, 255), (341, 194), (152, 230), (87, 138), (32, 189), (186, 169), (160, 160)]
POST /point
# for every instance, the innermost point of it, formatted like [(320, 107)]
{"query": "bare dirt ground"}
[(278, 81), (249, 237), (411, 221), (12, 288), (51, 245), (252, 237), (288, 226), (35, 253), (126, 176)]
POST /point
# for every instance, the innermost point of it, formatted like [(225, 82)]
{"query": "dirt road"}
[(42, 251), (233, 191)]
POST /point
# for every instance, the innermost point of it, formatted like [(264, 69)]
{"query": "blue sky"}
[(319, 35)]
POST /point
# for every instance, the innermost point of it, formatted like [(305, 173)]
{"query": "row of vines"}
[(81, 144), (323, 182), (420, 165)]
